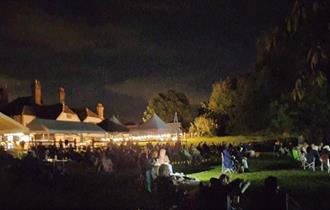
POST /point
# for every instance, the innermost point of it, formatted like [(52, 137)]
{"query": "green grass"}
[(227, 139), (309, 188)]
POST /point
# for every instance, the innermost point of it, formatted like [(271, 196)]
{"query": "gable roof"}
[(8, 125), (54, 126), (116, 120), (25, 105), (52, 111), (16, 106), (155, 123), (113, 125), (84, 113), (28, 110)]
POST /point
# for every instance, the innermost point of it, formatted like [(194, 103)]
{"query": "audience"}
[(155, 169)]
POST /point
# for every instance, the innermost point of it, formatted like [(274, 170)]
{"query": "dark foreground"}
[(26, 186)]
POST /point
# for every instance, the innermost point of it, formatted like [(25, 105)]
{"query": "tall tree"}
[(292, 74), (203, 126), (231, 99), (165, 105)]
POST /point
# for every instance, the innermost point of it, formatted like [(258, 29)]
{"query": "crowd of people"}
[(311, 156), (222, 193), (154, 166), (133, 155)]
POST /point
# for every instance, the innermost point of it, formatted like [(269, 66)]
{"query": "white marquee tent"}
[(156, 129), (8, 125)]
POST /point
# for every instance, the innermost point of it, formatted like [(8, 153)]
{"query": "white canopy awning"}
[(63, 127), (8, 125), (153, 126)]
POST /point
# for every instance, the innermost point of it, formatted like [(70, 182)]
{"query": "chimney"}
[(100, 110), (61, 93), (4, 95), (36, 92)]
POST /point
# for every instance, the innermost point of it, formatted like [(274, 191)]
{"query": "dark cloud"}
[(124, 52)]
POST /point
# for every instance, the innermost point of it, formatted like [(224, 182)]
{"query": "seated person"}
[(313, 155), (295, 154), (164, 188), (274, 198), (222, 193), (325, 154), (227, 160), (163, 159)]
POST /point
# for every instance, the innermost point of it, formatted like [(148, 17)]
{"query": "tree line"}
[(287, 93)]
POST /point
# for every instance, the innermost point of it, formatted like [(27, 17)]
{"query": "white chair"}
[(308, 163)]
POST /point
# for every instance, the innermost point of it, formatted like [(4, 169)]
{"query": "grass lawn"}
[(310, 189), (227, 139), (218, 139)]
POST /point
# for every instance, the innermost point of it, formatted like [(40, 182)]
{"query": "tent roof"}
[(115, 120), (55, 126), (8, 125), (155, 124), (113, 125)]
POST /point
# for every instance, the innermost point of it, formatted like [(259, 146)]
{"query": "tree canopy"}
[(289, 91), (165, 105)]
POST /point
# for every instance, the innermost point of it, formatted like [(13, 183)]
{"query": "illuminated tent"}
[(154, 126), (113, 125), (8, 125), (115, 120), (65, 127), (78, 133)]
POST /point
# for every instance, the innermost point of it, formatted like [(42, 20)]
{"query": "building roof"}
[(52, 111), (113, 125), (54, 126), (84, 113), (16, 106), (8, 125), (25, 105), (28, 110)]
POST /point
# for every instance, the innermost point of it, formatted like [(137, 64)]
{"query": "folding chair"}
[(308, 163), (227, 165)]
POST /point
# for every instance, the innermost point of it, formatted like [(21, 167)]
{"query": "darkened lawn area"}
[(310, 189), (30, 186)]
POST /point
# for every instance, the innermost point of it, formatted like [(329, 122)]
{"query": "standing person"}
[(93, 142), (143, 163), (154, 164), (75, 144), (60, 144), (146, 165)]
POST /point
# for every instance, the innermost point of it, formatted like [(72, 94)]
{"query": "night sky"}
[(124, 52)]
